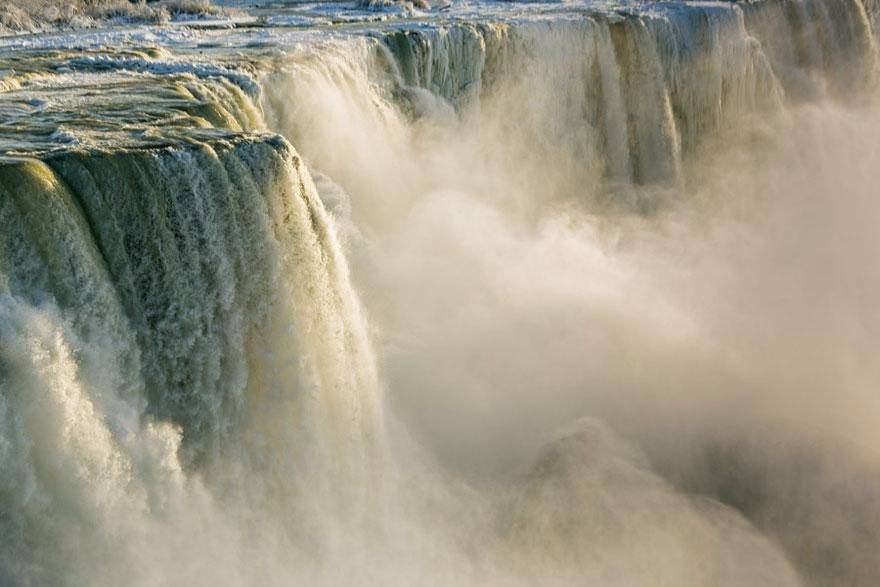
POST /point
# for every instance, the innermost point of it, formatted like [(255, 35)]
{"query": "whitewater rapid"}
[(504, 294)]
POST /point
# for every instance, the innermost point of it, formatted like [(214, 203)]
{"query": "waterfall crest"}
[(647, 90), (192, 297)]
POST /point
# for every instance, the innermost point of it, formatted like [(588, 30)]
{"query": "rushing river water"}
[(502, 293)]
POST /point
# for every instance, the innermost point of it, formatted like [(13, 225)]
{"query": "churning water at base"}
[(620, 276)]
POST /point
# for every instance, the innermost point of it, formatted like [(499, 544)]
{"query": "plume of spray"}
[(710, 312)]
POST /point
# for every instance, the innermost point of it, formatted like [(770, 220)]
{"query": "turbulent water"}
[(503, 294)]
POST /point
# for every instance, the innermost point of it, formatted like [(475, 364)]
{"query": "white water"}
[(516, 289), (207, 325), (619, 273)]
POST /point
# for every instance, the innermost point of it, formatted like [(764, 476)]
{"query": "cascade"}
[(646, 89), (198, 291), (184, 355)]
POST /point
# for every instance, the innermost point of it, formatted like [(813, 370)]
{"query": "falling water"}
[(622, 325)]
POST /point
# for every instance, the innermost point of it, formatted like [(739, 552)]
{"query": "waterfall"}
[(647, 90), (183, 296), (616, 104), (189, 392)]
